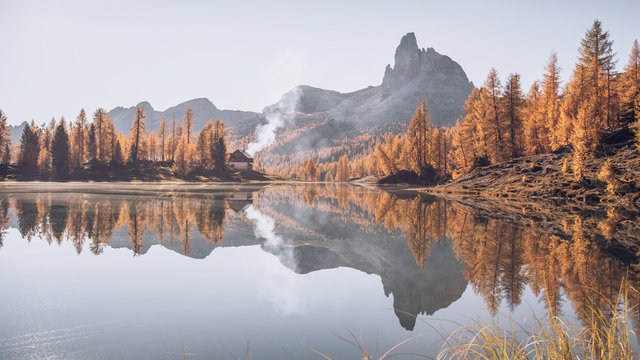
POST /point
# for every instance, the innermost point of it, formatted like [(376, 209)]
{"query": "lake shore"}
[(549, 177)]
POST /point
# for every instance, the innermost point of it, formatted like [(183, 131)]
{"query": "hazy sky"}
[(59, 56)]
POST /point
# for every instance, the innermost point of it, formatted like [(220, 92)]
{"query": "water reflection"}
[(426, 250)]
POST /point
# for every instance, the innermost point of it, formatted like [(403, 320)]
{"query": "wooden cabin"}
[(240, 160)]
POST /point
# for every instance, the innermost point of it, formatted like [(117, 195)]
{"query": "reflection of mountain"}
[(196, 224), (423, 248)]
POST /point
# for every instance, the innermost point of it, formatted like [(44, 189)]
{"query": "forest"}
[(85, 150), (501, 122)]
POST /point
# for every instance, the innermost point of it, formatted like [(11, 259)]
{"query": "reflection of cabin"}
[(239, 200), (240, 160)]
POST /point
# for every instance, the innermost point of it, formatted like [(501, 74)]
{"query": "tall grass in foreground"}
[(605, 335)]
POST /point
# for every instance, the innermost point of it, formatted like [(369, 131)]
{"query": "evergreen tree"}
[(117, 158), (60, 153), (29, 152), (92, 146), (219, 153)]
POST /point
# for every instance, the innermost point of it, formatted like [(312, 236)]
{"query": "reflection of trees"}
[(80, 218), (135, 225), (209, 217), (501, 257), (4, 219)]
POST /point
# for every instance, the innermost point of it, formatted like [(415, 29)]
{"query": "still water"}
[(90, 271)]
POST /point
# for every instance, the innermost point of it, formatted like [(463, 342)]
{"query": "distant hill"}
[(203, 109)]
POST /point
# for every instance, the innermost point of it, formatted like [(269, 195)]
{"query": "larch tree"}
[(495, 130), (137, 134), (342, 170), (535, 129), (513, 104), (99, 118), (152, 146), (630, 85), (78, 138), (183, 158), (187, 124), (60, 153), (162, 137), (310, 170), (202, 146), (598, 60), (419, 132), (551, 101), (5, 139)]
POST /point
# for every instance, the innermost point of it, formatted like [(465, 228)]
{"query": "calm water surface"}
[(138, 272)]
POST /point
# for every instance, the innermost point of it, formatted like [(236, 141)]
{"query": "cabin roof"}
[(240, 156)]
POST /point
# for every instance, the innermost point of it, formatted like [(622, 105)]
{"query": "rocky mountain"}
[(333, 123), (417, 74), (327, 121), (203, 109), (16, 132)]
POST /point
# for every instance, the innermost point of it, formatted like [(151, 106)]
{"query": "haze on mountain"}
[(325, 117)]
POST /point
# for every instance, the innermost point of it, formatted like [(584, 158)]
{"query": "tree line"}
[(501, 122), (63, 151)]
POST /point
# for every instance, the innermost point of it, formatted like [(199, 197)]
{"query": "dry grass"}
[(604, 336)]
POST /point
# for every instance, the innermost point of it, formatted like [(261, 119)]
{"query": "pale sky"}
[(58, 56)]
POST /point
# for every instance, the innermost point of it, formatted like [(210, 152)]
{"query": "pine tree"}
[(29, 152), (117, 157), (137, 134), (219, 152), (60, 153), (92, 146)]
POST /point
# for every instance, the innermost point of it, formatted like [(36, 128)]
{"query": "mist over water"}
[(277, 116), (265, 229)]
